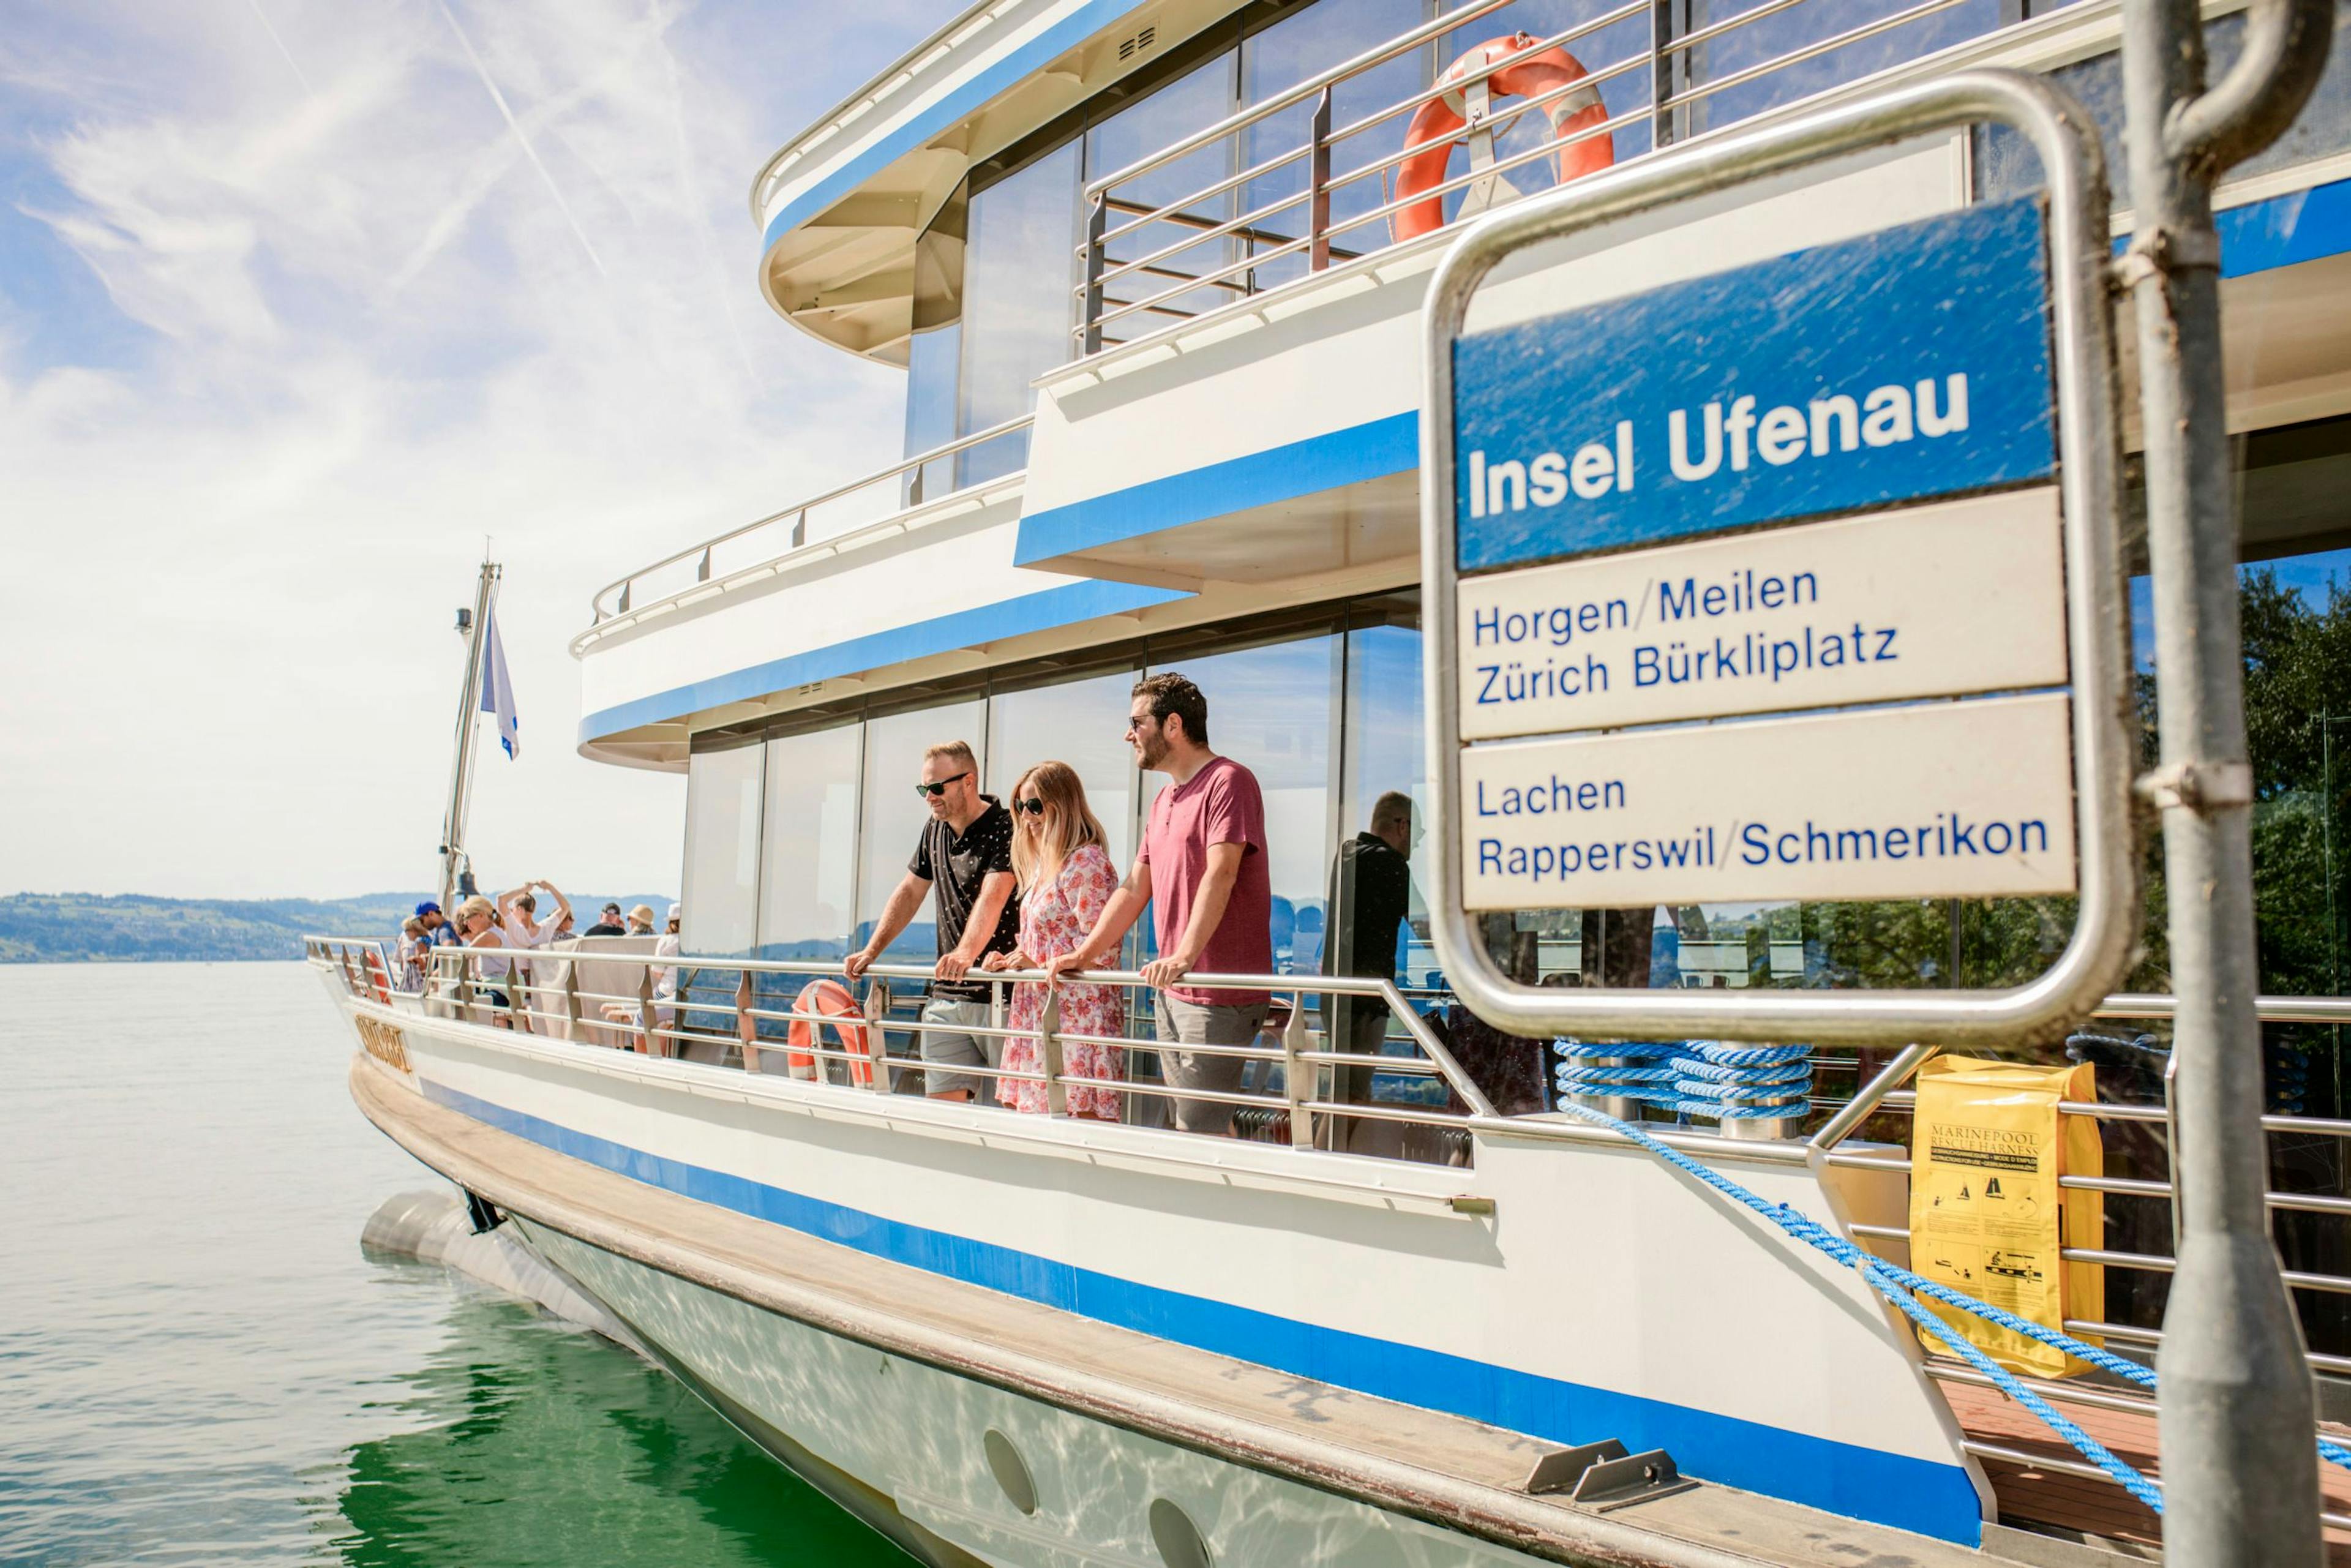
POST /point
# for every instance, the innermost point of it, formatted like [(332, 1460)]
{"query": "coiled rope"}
[(1719, 1081)]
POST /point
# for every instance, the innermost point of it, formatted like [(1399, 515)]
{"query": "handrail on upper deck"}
[(798, 512)]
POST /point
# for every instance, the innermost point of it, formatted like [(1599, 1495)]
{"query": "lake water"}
[(198, 1365)]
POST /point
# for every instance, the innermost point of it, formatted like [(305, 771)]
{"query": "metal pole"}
[(2237, 1410), (461, 772)]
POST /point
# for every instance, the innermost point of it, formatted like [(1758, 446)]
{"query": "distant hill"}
[(85, 927)]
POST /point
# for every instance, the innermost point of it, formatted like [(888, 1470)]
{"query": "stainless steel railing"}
[(773, 540), (1300, 222), (671, 1010)]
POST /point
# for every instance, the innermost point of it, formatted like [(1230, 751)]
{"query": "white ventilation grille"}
[(1137, 44)]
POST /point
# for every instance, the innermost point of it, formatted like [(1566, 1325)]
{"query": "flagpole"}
[(454, 868)]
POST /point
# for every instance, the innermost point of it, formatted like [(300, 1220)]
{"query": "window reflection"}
[(895, 815), (722, 850), (808, 880), (1272, 709), (1019, 267), (1080, 723), (1780, 32), (1301, 46), (1191, 102)]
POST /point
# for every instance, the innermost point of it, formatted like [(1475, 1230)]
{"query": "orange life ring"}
[(846, 1020), (379, 981), (1440, 121)]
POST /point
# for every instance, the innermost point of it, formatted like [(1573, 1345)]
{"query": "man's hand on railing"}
[(857, 963), (951, 967), (1166, 970)]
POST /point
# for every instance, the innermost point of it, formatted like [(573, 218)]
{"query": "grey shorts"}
[(948, 1042), (1193, 1023)]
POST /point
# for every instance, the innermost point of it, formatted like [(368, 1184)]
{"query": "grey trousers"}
[(1193, 1023)]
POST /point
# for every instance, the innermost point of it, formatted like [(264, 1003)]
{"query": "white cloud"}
[(378, 337)]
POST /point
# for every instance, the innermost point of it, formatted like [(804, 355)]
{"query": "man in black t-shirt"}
[(965, 854)]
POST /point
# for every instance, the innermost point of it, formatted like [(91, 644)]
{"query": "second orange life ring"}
[(379, 979), (1441, 119), (843, 1017)]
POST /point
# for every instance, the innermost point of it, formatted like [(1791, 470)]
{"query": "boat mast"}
[(455, 869)]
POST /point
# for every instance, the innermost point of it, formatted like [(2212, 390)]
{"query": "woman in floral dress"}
[(1066, 876)]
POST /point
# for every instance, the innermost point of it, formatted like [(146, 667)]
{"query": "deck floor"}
[(2029, 1495)]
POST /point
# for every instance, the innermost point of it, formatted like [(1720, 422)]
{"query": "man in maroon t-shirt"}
[(1202, 871)]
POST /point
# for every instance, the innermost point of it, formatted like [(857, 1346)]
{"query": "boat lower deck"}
[(2043, 1484), (1447, 1470)]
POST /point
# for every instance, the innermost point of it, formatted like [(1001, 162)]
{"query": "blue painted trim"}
[(1857, 1482), (2302, 226), (951, 107), (1370, 450), (1037, 612), (2280, 231)]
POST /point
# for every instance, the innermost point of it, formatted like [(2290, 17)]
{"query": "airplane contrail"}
[(529, 150), (293, 65)]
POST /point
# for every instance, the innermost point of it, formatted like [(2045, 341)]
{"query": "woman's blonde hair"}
[(475, 905), (1068, 823)]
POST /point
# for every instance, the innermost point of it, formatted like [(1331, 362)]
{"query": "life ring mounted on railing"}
[(379, 978), (843, 1017), (1438, 123)]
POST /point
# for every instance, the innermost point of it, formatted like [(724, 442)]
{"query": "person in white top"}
[(477, 927), (517, 912)]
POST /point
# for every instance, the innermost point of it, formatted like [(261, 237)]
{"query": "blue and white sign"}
[(1910, 364)]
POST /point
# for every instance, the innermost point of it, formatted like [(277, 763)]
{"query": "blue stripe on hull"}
[(1892, 1490)]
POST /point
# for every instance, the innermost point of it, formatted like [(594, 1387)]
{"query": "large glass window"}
[(895, 815), (1384, 752), (1272, 709), (1301, 46), (1018, 269), (1191, 102), (1779, 33), (809, 877), (1080, 723), (722, 851)]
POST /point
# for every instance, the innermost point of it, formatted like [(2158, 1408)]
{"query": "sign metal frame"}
[(2097, 609)]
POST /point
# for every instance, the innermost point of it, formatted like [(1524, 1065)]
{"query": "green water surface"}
[(198, 1365)]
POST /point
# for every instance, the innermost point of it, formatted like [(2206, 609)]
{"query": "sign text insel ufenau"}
[(1909, 364)]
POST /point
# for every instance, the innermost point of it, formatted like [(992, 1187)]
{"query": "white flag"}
[(497, 691)]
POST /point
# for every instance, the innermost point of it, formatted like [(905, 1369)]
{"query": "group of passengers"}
[(1033, 888), (503, 931)]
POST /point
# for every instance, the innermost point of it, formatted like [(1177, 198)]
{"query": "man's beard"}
[(1154, 748)]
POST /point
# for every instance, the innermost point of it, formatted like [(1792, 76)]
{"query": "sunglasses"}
[(1033, 806), (941, 787)]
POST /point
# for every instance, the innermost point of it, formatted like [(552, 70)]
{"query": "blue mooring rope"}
[(1704, 1078)]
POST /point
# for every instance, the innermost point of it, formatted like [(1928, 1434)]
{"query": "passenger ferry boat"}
[(1154, 272)]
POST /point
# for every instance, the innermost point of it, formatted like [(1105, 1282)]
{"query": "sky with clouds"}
[(299, 300)]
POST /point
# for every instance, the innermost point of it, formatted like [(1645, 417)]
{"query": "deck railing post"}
[(746, 1028), (573, 1016), (648, 1016), (1297, 1077), (877, 1042), (2237, 1403), (1048, 1051), (1091, 320), (1318, 185)]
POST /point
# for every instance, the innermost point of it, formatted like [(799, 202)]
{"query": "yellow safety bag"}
[(1987, 1216)]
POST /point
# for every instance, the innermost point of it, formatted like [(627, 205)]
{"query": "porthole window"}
[(1011, 1471), (1178, 1539)]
